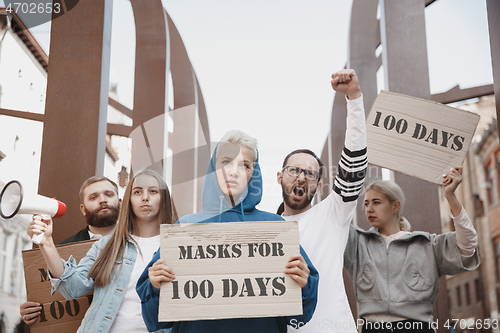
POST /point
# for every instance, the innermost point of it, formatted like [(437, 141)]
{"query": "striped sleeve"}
[(353, 161), (351, 174)]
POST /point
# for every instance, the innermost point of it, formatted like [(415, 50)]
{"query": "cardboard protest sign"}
[(417, 137), (58, 314), (229, 270)]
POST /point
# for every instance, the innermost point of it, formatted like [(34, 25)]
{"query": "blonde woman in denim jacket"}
[(396, 272), (114, 263)]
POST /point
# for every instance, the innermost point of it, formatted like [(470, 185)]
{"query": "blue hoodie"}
[(213, 204)]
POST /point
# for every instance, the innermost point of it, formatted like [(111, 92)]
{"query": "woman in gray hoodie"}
[(396, 272)]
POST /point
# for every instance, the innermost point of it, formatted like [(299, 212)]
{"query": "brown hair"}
[(95, 179), (102, 269)]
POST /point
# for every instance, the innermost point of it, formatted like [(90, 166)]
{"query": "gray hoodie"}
[(402, 279)]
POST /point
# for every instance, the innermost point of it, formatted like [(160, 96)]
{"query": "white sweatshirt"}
[(324, 229)]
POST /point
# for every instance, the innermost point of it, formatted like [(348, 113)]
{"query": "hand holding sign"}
[(346, 81), (159, 273), (297, 269), (30, 312), (451, 181)]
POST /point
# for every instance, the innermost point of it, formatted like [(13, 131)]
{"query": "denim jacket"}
[(73, 283)]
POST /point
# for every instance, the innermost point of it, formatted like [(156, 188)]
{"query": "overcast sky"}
[(264, 66)]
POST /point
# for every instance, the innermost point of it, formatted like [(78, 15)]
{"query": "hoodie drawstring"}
[(242, 211), (220, 208), (241, 206)]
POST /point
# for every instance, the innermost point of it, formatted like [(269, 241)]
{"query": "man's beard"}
[(104, 219), (294, 204)]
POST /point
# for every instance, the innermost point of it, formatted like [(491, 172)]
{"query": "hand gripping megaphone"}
[(14, 201)]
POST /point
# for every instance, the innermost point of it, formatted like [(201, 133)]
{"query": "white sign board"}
[(229, 270), (417, 137)]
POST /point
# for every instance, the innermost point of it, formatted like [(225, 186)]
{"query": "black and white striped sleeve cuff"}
[(350, 174)]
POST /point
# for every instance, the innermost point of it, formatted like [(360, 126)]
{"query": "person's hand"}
[(346, 81), (39, 224), (30, 311), (451, 180), (159, 273), (297, 269)]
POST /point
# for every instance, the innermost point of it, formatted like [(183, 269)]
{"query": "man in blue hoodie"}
[(232, 189)]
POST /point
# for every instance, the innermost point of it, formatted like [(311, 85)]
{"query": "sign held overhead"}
[(417, 137)]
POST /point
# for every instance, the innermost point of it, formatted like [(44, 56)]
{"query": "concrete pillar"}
[(74, 134), (406, 71), (493, 7), (150, 97), (364, 38)]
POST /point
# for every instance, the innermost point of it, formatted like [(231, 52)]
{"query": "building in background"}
[(23, 84), (475, 295), (23, 72)]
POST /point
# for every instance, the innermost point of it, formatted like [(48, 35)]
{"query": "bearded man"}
[(99, 203)]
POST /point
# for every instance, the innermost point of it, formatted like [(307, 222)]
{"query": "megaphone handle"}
[(37, 238)]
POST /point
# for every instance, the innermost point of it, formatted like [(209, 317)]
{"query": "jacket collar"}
[(414, 234), (130, 249)]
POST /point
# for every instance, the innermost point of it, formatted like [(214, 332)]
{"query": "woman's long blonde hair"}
[(393, 193), (102, 269)]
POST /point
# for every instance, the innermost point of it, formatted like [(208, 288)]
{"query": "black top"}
[(80, 236)]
